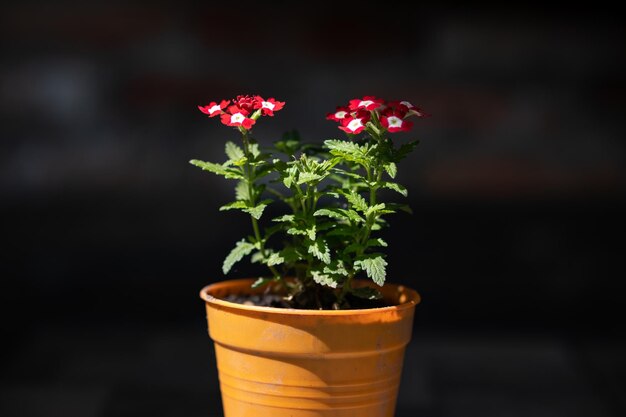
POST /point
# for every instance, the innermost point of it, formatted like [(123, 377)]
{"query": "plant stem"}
[(249, 171)]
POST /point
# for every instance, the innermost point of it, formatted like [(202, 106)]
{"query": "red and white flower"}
[(339, 114), (393, 120), (213, 109), (368, 103), (237, 117), (410, 108), (269, 106), (355, 124), (246, 103)]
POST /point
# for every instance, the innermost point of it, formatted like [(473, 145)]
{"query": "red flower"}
[(339, 114), (246, 103), (237, 117), (410, 108), (368, 103), (213, 109), (393, 120), (355, 124), (268, 107)]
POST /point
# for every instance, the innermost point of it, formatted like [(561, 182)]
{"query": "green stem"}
[(249, 172)]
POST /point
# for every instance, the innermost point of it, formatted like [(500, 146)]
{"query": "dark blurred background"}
[(517, 188)]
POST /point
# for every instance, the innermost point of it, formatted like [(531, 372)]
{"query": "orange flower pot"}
[(276, 362)]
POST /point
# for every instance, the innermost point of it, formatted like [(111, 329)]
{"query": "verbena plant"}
[(328, 235)]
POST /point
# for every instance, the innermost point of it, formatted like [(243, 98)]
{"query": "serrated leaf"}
[(345, 147), (241, 191), (377, 242), (311, 232), (218, 169), (403, 207), (254, 149), (396, 187), (285, 218), (320, 250), (374, 209), (256, 257), (234, 152), (353, 247), (391, 169), (357, 201), (290, 254), (242, 249), (306, 177), (336, 268), (332, 213), (374, 266), (367, 293), (256, 211), (354, 216), (324, 279), (275, 259), (297, 231), (290, 179), (234, 205), (349, 151), (404, 150)]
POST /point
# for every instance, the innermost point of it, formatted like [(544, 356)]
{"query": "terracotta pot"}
[(276, 362)]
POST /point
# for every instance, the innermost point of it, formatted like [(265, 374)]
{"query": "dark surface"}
[(518, 188)]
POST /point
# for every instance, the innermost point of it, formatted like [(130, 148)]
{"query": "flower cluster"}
[(244, 111), (375, 115)]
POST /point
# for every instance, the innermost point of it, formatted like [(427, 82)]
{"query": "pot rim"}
[(413, 298)]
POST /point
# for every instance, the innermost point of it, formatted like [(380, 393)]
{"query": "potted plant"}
[(310, 337)]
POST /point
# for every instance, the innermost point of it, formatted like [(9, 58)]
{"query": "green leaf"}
[(374, 209), (242, 249), (404, 150), (296, 231), (367, 293), (254, 149), (256, 211), (403, 207), (285, 218), (336, 268), (377, 242), (349, 151), (306, 177), (290, 254), (320, 250), (290, 178), (241, 191), (374, 266), (324, 279), (353, 247), (234, 152), (357, 201), (275, 259), (234, 205), (391, 169), (342, 231), (257, 257), (218, 169), (311, 232), (396, 187), (332, 213), (354, 216)]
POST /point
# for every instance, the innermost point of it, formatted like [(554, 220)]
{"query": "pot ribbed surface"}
[(302, 363)]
